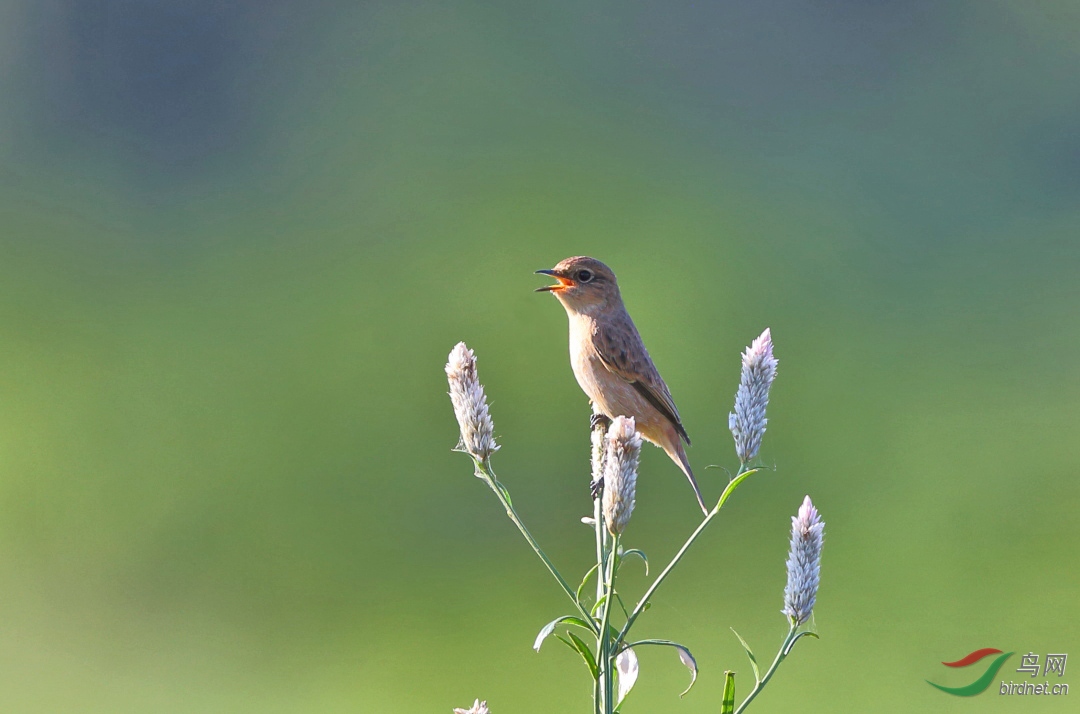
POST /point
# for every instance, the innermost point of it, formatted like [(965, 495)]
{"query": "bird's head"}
[(585, 284)]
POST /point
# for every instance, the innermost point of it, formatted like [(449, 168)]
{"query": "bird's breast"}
[(583, 357), (611, 394)]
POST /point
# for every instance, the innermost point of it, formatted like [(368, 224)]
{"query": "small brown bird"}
[(610, 361)]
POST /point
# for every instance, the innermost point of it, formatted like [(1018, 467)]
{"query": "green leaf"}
[(728, 705), (801, 634), (598, 605), (640, 554), (684, 656), (550, 627), (732, 485), (585, 652), (688, 660), (496, 484), (618, 599), (585, 580), (750, 654)]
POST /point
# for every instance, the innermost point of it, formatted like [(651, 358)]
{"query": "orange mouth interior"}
[(564, 283)]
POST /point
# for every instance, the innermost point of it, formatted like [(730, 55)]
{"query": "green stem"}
[(601, 560), (597, 439), (597, 473), (780, 657), (484, 469), (604, 644), (639, 608), (598, 516)]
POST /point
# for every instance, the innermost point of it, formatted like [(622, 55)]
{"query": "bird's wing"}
[(620, 348)]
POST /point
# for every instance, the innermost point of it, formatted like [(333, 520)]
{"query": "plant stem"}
[(604, 645), (602, 556), (484, 470), (780, 656), (640, 607), (598, 516), (597, 439)]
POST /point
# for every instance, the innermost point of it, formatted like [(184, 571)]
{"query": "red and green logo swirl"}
[(980, 684)]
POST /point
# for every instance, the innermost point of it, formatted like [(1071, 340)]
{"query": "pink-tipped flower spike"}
[(747, 422), (804, 563), (470, 404), (478, 707)]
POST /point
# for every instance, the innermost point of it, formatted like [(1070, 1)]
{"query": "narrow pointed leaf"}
[(565, 641), (622, 605), (550, 627), (599, 604), (640, 554), (585, 652), (750, 654), (797, 637), (502, 489), (684, 656), (687, 659), (732, 485), (586, 580), (728, 705)]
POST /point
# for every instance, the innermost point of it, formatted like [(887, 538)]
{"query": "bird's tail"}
[(678, 455)]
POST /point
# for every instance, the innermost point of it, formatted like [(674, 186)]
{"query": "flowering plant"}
[(595, 630)]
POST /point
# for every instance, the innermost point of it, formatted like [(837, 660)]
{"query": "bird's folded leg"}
[(599, 424), (596, 488)]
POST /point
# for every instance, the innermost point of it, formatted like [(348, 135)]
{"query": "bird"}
[(610, 361)]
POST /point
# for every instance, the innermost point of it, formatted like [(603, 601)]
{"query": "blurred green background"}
[(237, 241)]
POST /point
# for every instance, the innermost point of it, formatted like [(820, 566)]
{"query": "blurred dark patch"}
[(162, 90), (761, 56), (747, 60)]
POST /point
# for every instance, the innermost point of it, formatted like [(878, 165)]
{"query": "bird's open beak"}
[(564, 283)]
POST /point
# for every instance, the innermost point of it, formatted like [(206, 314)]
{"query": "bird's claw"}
[(600, 421), (596, 487)]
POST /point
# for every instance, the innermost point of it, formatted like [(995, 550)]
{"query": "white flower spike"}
[(470, 404), (747, 422)]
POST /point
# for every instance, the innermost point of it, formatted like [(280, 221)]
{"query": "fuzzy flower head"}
[(470, 404), (747, 422), (620, 473), (804, 563), (478, 707)]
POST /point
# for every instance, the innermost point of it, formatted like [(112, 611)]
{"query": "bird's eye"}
[(584, 275)]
